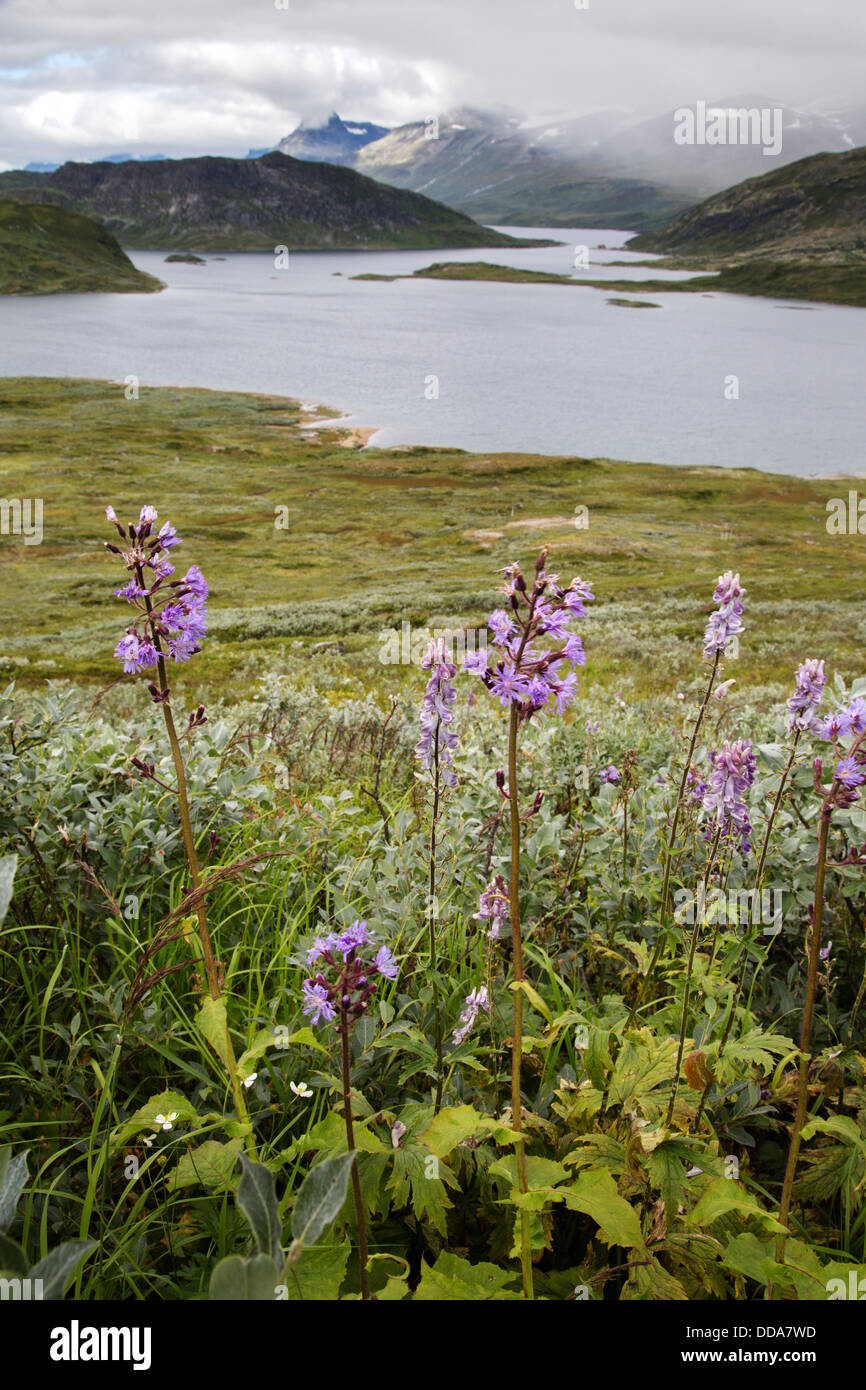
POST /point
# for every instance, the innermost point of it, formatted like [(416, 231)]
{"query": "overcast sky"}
[(83, 78)]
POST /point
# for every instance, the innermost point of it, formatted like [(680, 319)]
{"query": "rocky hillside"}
[(494, 168), (216, 204), (51, 250), (814, 210)]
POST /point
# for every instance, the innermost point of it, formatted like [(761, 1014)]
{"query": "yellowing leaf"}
[(595, 1194)]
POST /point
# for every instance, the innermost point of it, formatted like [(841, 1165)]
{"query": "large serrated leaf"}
[(453, 1279), (258, 1202), (13, 1176), (317, 1274), (460, 1122), (166, 1103), (211, 1164), (321, 1197), (595, 1194)]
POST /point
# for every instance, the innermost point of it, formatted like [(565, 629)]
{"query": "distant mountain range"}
[(39, 168), (604, 168), (249, 205), (335, 142)]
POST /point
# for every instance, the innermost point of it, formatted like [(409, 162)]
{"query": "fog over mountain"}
[(209, 77)]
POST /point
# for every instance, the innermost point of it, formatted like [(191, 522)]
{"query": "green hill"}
[(52, 250), (814, 208), (217, 204)]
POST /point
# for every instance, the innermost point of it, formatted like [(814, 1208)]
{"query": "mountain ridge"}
[(219, 204)]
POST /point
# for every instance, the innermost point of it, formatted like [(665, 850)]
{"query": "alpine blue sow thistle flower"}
[(341, 991), (527, 671), (172, 611), (170, 623)]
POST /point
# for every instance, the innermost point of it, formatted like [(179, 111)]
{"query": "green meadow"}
[(313, 543)]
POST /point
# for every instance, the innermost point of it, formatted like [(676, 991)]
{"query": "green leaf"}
[(235, 1279), (59, 1265), (652, 1282), (321, 1198), (418, 1181), (534, 998), (258, 1202), (454, 1280), (773, 754), (597, 1058), (595, 1194), (458, 1123), (317, 1274), (540, 1172), (330, 1135), (754, 1256), (8, 865), (145, 1117), (13, 1176), (840, 1125), (724, 1195), (666, 1165), (12, 1259), (212, 1021), (267, 1037), (212, 1164)]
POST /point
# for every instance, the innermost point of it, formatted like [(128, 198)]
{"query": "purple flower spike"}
[(732, 773), (494, 907), (475, 1001), (727, 621), (809, 692), (438, 742), (524, 670)]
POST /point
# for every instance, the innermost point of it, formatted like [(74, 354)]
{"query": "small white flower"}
[(166, 1121), (248, 1080), (693, 1172), (302, 1090), (397, 1134), (148, 1141)]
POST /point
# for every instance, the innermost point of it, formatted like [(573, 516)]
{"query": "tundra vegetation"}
[(531, 967)]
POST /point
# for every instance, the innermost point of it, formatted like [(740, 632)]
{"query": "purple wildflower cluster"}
[(844, 723), (172, 615), (696, 787), (350, 982), (809, 692), (438, 741), (732, 773), (727, 621), (524, 672), (494, 907), (609, 774), (473, 1004)]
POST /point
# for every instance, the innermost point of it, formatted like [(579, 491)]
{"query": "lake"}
[(482, 366)]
